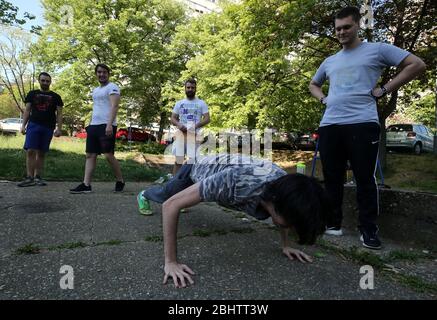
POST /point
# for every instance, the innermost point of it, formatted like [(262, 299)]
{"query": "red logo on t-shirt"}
[(42, 102)]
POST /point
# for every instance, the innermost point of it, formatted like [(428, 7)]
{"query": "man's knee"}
[(91, 155), (32, 152)]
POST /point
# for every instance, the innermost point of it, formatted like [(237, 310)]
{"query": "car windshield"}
[(400, 128)]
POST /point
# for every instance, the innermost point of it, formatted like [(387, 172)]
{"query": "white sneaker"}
[(334, 231)]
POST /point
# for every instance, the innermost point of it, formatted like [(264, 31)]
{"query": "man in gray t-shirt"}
[(255, 186), (349, 130)]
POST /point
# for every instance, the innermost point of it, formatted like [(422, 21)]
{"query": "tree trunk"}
[(162, 124), (435, 127)]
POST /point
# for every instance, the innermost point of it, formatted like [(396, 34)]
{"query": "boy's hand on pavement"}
[(179, 272), (294, 253)]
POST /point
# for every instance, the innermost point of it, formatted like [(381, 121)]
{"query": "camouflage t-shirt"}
[(235, 181)]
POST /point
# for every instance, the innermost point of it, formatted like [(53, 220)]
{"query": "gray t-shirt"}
[(235, 181), (352, 74)]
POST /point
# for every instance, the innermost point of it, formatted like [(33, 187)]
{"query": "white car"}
[(10, 125)]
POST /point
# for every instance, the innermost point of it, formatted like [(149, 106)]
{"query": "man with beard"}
[(189, 115), (42, 115), (102, 129)]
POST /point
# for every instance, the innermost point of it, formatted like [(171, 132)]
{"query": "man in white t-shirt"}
[(102, 129), (189, 115)]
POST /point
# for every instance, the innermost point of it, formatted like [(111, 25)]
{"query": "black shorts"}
[(97, 141)]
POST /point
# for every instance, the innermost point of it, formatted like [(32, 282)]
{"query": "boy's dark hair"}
[(44, 74), (349, 11), (192, 81), (302, 202), (101, 65)]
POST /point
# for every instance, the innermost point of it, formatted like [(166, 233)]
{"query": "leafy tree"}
[(131, 36), (17, 71)]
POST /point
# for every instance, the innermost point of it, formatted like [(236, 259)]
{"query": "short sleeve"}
[(176, 107), (320, 75), (204, 107), (29, 97), (59, 101), (391, 55), (114, 89)]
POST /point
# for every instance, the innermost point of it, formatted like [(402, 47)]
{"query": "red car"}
[(134, 134), (81, 134)]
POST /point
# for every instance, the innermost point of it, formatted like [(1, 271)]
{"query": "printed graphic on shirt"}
[(190, 113), (347, 79), (43, 102)]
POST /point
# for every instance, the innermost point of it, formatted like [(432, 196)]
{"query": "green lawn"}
[(66, 161), (411, 172)]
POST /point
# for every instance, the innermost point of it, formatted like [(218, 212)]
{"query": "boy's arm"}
[(170, 217), (290, 252)]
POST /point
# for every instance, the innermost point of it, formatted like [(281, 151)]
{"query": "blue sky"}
[(32, 6)]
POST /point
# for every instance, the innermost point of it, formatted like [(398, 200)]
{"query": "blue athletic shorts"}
[(38, 137)]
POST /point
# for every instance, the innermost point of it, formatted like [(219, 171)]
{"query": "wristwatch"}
[(384, 92)]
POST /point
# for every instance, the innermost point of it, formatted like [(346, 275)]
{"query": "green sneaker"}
[(144, 205)]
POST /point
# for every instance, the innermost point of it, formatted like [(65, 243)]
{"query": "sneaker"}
[(143, 205), (82, 188), (334, 231), (27, 182), (39, 181), (119, 186), (370, 239)]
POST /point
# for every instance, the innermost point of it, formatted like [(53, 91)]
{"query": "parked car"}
[(134, 134), (11, 125), (307, 141), (414, 137), (80, 134)]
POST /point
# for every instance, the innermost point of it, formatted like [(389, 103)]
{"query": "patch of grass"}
[(202, 233), (366, 258), (362, 257), (411, 172), (115, 242), (242, 230), (70, 246), (28, 249), (66, 161), (154, 239), (404, 255), (416, 283)]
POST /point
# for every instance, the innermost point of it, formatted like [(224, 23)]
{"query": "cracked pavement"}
[(116, 253)]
